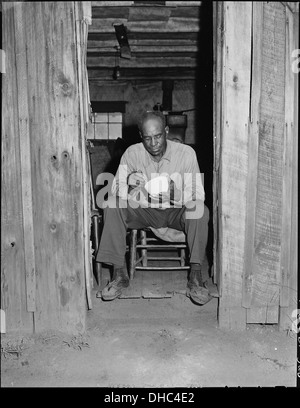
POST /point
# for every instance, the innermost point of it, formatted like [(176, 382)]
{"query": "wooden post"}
[(218, 21), (25, 150), (288, 298), (57, 157), (168, 85), (236, 56), (80, 33), (13, 283), (263, 302), (253, 137)]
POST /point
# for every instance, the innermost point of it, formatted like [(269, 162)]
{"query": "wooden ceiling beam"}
[(131, 3), (172, 25), (145, 13), (135, 44), (150, 36), (142, 49), (111, 3), (141, 62), (174, 55), (151, 73)]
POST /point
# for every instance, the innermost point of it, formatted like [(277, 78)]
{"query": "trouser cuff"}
[(110, 257)]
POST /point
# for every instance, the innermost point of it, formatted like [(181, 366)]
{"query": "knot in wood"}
[(65, 155), (53, 227), (66, 88)]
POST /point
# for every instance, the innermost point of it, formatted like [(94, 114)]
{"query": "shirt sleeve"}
[(193, 185), (119, 185)]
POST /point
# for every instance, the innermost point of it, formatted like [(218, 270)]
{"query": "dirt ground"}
[(167, 342)]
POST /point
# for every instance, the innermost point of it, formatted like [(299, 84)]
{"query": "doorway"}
[(168, 60)]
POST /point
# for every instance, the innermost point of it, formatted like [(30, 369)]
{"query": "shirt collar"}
[(166, 156)]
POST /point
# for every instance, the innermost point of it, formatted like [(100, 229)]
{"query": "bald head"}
[(155, 115)]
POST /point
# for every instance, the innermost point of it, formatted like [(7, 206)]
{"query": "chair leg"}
[(132, 253), (96, 238), (182, 257), (99, 274), (144, 251)]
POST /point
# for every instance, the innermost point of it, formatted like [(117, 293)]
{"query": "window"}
[(106, 126), (107, 120)]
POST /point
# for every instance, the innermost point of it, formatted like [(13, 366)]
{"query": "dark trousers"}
[(119, 218)]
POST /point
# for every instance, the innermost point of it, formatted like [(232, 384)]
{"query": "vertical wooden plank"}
[(287, 177), (269, 194), (13, 290), (25, 156), (253, 136), (80, 33), (56, 149), (217, 88), (289, 247), (233, 160)]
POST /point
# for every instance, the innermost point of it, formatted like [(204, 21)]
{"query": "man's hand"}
[(173, 194), (136, 178)]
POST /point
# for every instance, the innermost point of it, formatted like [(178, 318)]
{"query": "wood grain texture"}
[(233, 160), (25, 157), (287, 175), (81, 30), (13, 289), (144, 62), (253, 136), (174, 24), (56, 154), (217, 84), (269, 193), (289, 295)]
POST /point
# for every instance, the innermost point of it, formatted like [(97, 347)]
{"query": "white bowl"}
[(157, 185)]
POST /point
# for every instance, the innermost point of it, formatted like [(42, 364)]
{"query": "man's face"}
[(154, 137)]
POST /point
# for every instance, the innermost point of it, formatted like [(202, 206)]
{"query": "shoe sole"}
[(117, 293), (205, 298)]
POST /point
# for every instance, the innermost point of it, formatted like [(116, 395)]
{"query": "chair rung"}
[(163, 258), (161, 246), (160, 268)]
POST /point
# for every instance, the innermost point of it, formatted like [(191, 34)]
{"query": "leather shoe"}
[(114, 289), (199, 294)]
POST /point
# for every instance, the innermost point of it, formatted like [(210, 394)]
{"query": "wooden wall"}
[(255, 162), (44, 199), (143, 94)]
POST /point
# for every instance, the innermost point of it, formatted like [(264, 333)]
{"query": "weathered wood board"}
[(13, 284), (263, 249), (233, 159), (43, 165)]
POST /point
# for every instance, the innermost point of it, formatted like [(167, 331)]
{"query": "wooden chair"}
[(140, 243)]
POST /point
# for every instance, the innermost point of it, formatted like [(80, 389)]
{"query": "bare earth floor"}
[(167, 342)]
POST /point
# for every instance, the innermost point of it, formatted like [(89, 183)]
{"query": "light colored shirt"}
[(179, 162)]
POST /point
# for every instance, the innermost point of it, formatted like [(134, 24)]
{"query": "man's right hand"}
[(136, 178)]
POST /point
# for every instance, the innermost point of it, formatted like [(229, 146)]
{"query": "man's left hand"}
[(173, 194)]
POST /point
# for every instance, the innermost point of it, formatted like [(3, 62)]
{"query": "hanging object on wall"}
[(116, 72), (177, 123), (121, 34)]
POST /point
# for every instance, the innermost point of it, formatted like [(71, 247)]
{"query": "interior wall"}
[(143, 95)]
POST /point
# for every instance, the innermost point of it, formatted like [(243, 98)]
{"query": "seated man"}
[(180, 206)]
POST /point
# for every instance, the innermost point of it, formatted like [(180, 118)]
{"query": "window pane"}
[(115, 130), (115, 117), (101, 131), (101, 117)]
